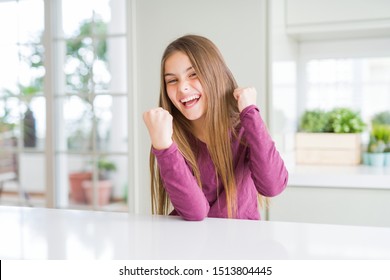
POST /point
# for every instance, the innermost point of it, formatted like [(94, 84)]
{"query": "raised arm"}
[(267, 167), (186, 196)]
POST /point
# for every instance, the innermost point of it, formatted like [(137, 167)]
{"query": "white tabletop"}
[(37, 233)]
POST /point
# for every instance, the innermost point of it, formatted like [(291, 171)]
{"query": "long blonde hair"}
[(221, 119)]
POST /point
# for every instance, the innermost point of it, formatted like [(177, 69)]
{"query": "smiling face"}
[(183, 86)]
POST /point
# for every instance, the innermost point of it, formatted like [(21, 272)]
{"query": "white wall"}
[(237, 27)]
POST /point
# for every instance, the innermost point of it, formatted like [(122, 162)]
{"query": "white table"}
[(34, 233)]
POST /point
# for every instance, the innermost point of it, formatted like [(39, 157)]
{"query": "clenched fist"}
[(245, 97), (159, 123)]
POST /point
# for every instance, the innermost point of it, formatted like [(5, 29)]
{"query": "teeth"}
[(190, 98)]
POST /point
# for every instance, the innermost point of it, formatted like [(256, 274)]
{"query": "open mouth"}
[(190, 100)]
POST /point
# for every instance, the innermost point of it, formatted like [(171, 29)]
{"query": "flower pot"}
[(366, 158), (328, 148), (387, 159), (377, 159), (76, 180), (104, 188)]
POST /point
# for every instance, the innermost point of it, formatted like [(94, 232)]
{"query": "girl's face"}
[(183, 86)]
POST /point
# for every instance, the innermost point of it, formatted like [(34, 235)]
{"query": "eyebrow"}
[(171, 74)]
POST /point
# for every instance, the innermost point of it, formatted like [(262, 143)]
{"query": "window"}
[(284, 100), (329, 74), (359, 83), (83, 137), (90, 101), (22, 102)]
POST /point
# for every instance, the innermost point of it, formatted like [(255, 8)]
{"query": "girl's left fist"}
[(245, 97)]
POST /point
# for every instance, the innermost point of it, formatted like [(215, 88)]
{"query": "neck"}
[(198, 129)]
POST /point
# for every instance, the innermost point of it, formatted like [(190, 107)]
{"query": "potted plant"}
[(375, 152), (344, 120), (76, 180), (381, 118), (314, 121), (104, 183), (378, 150), (329, 137)]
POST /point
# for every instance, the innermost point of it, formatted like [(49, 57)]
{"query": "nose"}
[(184, 86)]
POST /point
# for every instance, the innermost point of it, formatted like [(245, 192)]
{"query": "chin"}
[(192, 117)]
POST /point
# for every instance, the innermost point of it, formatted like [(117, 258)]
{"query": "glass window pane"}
[(9, 22), (10, 116), (34, 123), (74, 126), (77, 183), (118, 182), (117, 24), (111, 120), (284, 106), (78, 65), (32, 177), (8, 161), (31, 19), (73, 17), (362, 84), (9, 69), (116, 60), (31, 69), (74, 170)]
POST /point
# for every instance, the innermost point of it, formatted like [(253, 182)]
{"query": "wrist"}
[(244, 106), (248, 109), (162, 145)]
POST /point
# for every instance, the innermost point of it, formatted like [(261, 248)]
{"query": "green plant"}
[(338, 120), (376, 146), (381, 132), (345, 120), (314, 121), (381, 118), (105, 167)]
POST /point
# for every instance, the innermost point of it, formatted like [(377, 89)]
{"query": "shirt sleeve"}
[(266, 165), (184, 192)]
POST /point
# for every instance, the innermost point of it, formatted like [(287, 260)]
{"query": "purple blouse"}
[(258, 169)]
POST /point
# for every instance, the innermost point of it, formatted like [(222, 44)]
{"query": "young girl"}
[(211, 153)]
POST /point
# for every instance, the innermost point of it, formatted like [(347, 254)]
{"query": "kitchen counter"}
[(38, 233), (348, 195), (359, 176)]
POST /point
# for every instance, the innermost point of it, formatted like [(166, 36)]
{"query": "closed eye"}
[(193, 75), (171, 81)]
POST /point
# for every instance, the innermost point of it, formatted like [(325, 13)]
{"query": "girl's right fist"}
[(159, 123)]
